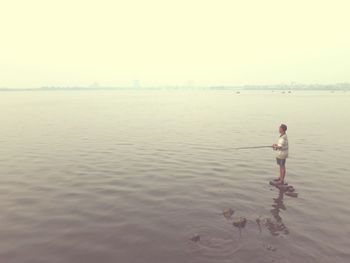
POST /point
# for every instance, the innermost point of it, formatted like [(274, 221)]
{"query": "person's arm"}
[(276, 147)]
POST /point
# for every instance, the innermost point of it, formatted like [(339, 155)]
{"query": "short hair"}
[(284, 127)]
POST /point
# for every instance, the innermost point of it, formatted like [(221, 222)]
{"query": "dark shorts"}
[(281, 162)]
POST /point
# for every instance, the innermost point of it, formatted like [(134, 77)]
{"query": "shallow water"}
[(116, 176)]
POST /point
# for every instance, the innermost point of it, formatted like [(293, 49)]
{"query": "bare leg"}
[(279, 177), (282, 173)]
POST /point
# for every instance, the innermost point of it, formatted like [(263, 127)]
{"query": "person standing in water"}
[(281, 148)]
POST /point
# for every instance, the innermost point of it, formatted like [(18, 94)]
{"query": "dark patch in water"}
[(228, 213), (196, 238)]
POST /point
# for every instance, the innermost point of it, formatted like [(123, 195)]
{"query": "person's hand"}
[(274, 146)]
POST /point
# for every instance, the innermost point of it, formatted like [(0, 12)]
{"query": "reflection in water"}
[(276, 226), (116, 176)]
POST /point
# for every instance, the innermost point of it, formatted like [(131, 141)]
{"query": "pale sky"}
[(161, 42)]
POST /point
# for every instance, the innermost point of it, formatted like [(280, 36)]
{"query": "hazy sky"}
[(212, 42)]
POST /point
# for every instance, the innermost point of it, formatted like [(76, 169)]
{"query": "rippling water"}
[(119, 176)]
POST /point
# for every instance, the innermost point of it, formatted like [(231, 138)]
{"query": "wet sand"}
[(133, 176)]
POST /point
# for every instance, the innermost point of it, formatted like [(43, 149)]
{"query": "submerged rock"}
[(292, 194), (196, 238), (275, 227), (228, 213), (283, 187), (271, 248), (290, 189), (241, 222)]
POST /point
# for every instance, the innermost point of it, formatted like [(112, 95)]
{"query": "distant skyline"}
[(160, 42), (136, 87)]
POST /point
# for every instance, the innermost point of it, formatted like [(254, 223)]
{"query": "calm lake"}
[(132, 176)]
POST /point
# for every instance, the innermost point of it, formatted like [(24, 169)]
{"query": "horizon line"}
[(290, 86)]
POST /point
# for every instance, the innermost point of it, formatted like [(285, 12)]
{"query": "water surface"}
[(122, 176)]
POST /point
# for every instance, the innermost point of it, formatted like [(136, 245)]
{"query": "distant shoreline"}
[(315, 87)]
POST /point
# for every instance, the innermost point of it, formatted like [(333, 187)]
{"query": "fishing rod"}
[(253, 147)]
